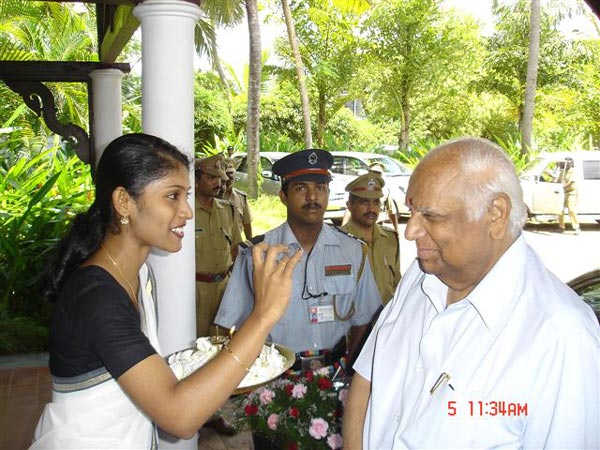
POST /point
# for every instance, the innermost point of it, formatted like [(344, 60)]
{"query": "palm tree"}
[(216, 13), (254, 77), (289, 24), (531, 80), (52, 32)]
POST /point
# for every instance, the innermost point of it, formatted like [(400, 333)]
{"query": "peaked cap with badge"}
[(368, 185), (305, 165), (212, 165)]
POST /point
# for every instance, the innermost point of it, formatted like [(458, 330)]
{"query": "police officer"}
[(334, 292), (570, 197), (364, 204), (238, 199), (217, 238)]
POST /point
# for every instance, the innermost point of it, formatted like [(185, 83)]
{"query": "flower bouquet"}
[(296, 412)]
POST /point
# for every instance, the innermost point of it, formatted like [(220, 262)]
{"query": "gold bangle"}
[(234, 356)]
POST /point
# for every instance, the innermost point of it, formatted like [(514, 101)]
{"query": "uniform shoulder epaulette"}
[(242, 193), (223, 201), (249, 243), (337, 228)]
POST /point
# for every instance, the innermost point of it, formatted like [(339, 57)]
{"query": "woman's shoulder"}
[(89, 286)]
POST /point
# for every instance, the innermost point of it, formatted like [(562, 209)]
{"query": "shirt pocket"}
[(340, 290)]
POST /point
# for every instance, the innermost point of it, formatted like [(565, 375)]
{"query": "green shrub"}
[(40, 194)]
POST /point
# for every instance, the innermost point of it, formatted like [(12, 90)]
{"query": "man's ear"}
[(283, 197), (499, 214), (121, 201)]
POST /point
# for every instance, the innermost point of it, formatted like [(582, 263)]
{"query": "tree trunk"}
[(321, 120), (289, 23), (216, 62), (254, 76), (404, 135), (531, 82)]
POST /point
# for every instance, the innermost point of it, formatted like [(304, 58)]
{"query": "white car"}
[(348, 165), (543, 191), (271, 183)]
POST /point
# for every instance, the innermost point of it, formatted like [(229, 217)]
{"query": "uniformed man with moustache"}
[(238, 199), (217, 238), (364, 204), (334, 292)]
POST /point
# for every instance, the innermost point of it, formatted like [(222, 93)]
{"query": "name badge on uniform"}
[(320, 314), (332, 271), (199, 230)]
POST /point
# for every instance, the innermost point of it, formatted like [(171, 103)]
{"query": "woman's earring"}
[(124, 220)]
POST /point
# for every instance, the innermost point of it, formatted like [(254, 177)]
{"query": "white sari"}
[(92, 411)]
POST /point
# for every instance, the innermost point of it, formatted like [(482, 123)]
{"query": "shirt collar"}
[(496, 294)]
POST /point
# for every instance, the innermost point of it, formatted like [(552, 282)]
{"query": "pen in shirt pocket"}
[(443, 378)]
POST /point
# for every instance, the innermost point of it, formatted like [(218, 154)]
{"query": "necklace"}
[(133, 296)]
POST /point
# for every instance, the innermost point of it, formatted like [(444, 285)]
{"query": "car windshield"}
[(390, 165)]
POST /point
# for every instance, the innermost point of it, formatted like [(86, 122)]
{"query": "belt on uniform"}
[(212, 277), (316, 359)]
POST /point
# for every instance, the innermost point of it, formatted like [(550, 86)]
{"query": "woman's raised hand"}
[(273, 279)]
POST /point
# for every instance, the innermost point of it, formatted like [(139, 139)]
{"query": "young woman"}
[(109, 383)]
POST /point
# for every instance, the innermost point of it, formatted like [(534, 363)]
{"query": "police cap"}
[(212, 165), (368, 185), (304, 165)]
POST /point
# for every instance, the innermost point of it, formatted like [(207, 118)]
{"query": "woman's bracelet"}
[(234, 356)]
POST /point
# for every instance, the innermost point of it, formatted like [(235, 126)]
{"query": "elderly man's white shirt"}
[(521, 337)]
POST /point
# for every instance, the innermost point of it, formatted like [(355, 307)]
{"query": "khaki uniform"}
[(216, 235), (384, 256), (570, 200), (240, 202)]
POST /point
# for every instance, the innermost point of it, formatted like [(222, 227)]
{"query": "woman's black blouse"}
[(94, 324)]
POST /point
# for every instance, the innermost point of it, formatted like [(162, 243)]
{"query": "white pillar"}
[(168, 112), (107, 108)]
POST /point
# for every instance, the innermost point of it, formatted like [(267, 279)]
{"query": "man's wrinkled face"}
[(306, 201), (364, 211), (449, 246)]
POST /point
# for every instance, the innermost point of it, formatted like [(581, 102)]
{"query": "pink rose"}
[(299, 390), (335, 441), (343, 396), (266, 396), (272, 421), (318, 428)]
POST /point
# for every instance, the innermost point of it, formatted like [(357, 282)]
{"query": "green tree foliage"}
[(47, 31), (329, 49), (420, 58), (211, 112)]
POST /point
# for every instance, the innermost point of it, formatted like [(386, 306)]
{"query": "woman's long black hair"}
[(132, 161)]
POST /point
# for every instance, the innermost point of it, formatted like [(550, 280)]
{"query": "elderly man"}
[(217, 238), (481, 346), (364, 204), (334, 291)]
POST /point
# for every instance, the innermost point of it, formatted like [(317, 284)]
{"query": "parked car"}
[(543, 192), (348, 165), (271, 183), (588, 287)]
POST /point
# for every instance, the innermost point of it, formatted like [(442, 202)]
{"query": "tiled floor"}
[(25, 387)]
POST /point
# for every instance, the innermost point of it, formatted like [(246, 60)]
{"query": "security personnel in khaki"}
[(239, 200), (364, 204), (217, 238)]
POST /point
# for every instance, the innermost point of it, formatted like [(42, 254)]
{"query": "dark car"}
[(588, 287)]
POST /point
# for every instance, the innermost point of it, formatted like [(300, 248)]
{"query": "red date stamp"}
[(488, 408)]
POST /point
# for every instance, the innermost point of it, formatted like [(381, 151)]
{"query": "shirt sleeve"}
[(247, 215), (367, 298), (238, 298), (111, 327), (565, 411)]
